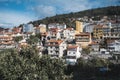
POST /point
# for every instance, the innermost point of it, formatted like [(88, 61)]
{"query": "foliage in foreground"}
[(27, 65)]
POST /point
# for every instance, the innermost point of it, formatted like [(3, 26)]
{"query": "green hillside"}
[(95, 14)]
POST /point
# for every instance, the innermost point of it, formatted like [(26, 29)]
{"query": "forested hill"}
[(98, 12)]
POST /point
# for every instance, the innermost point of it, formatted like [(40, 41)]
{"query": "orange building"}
[(83, 39)]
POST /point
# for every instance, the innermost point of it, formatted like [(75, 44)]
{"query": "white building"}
[(103, 51), (27, 28), (114, 47), (103, 54), (56, 48), (54, 33), (73, 53), (56, 25), (89, 27), (94, 46), (69, 33)]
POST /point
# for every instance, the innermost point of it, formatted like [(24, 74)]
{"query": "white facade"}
[(58, 35), (88, 28), (103, 51), (56, 48), (69, 33), (94, 46), (28, 28), (114, 47), (42, 25), (111, 35), (57, 25), (54, 34), (61, 26), (18, 34), (73, 53)]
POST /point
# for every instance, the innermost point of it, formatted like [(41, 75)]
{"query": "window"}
[(69, 52), (57, 52), (51, 51), (73, 52), (71, 57), (56, 43), (103, 52)]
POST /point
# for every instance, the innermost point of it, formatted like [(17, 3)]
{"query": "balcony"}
[(82, 40), (54, 55), (111, 36)]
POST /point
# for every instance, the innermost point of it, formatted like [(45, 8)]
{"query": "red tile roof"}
[(57, 42), (5, 37), (98, 26), (72, 47), (83, 34), (69, 29)]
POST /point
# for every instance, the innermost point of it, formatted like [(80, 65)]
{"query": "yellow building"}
[(98, 32), (41, 28), (79, 26)]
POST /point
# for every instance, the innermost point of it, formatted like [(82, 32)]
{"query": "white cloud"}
[(44, 11), (52, 7), (6, 25), (14, 18), (76, 5), (46, 8)]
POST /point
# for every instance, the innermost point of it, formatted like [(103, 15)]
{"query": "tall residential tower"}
[(79, 26)]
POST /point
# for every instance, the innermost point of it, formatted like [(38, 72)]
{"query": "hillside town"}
[(88, 39)]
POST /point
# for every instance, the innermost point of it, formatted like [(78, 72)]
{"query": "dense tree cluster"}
[(33, 40), (18, 38), (26, 64), (94, 69)]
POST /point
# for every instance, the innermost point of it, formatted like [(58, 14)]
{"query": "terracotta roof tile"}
[(83, 33), (58, 41), (93, 43), (72, 47)]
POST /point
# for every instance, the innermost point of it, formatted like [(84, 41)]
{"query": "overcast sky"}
[(15, 12)]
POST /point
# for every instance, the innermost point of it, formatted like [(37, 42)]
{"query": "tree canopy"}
[(18, 38), (28, 65), (33, 40)]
